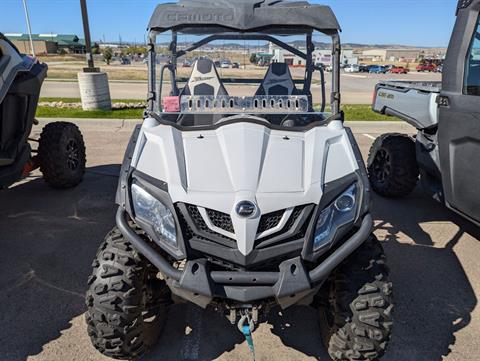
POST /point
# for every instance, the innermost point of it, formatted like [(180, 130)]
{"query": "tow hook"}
[(248, 319)]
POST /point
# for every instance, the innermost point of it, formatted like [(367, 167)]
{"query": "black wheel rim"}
[(152, 302), (382, 166), (329, 317), (327, 306), (73, 155)]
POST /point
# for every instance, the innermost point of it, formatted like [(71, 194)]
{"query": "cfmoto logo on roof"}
[(206, 17)]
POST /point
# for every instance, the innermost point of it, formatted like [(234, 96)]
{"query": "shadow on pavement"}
[(297, 327), (210, 335), (192, 334), (48, 238), (433, 296)]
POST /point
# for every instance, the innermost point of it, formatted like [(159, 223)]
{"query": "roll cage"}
[(163, 21)]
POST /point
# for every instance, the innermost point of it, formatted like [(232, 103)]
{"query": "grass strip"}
[(352, 112), (48, 112), (78, 100)]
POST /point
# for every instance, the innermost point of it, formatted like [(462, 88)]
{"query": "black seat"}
[(204, 80), (277, 81)]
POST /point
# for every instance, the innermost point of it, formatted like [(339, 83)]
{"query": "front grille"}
[(194, 226), (269, 221), (221, 220), (204, 233), (198, 236), (294, 216), (187, 231), (197, 218), (280, 236)]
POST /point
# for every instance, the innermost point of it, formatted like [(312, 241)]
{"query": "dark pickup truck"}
[(444, 155)]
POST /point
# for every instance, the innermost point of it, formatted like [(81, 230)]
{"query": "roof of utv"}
[(3, 37), (195, 16)]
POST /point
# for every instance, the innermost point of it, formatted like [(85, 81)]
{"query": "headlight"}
[(342, 211), (153, 211)]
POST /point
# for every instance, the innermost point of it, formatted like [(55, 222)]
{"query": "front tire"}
[(355, 306), (392, 165), (61, 153), (126, 302)]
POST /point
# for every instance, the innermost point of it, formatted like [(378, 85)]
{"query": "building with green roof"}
[(49, 43)]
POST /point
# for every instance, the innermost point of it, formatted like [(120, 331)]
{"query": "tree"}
[(136, 50), (253, 58), (107, 55), (96, 49)]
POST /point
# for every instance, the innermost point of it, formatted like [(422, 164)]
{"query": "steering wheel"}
[(241, 116)]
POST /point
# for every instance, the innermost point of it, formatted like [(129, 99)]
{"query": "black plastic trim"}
[(251, 284), (11, 173), (25, 84), (282, 236), (122, 196), (145, 249), (213, 236), (347, 248), (157, 190), (330, 192), (362, 174), (246, 118), (255, 258)]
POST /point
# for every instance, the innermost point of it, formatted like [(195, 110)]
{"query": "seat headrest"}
[(277, 81), (205, 80)]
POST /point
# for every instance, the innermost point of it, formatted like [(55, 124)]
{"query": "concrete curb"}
[(92, 122), (105, 120), (65, 80), (370, 127)]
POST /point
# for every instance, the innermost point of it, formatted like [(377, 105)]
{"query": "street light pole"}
[(93, 84), (88, 43), (27, 18)]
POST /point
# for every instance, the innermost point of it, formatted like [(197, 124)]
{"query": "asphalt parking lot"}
[(48, 239)]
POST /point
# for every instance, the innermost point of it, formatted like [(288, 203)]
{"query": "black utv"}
[(60, 153)]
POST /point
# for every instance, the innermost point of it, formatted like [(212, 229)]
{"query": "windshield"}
[(206, 79)]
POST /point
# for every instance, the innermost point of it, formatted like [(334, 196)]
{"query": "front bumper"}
[(291, 284)]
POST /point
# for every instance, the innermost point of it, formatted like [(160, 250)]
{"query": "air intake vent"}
[(221, 220), (270, 220)]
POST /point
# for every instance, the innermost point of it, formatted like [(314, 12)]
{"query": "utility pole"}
[(93, 84), (27, 18), (88, 43)]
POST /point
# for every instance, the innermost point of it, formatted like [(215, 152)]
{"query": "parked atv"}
[(242, 203), (60, 154), (444, 153)]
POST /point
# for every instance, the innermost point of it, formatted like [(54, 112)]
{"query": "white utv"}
[(241, 203)]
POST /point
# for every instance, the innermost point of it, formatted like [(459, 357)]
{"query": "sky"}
[(402, 22)]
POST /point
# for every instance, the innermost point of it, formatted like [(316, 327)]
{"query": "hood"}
[(273, 169)]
